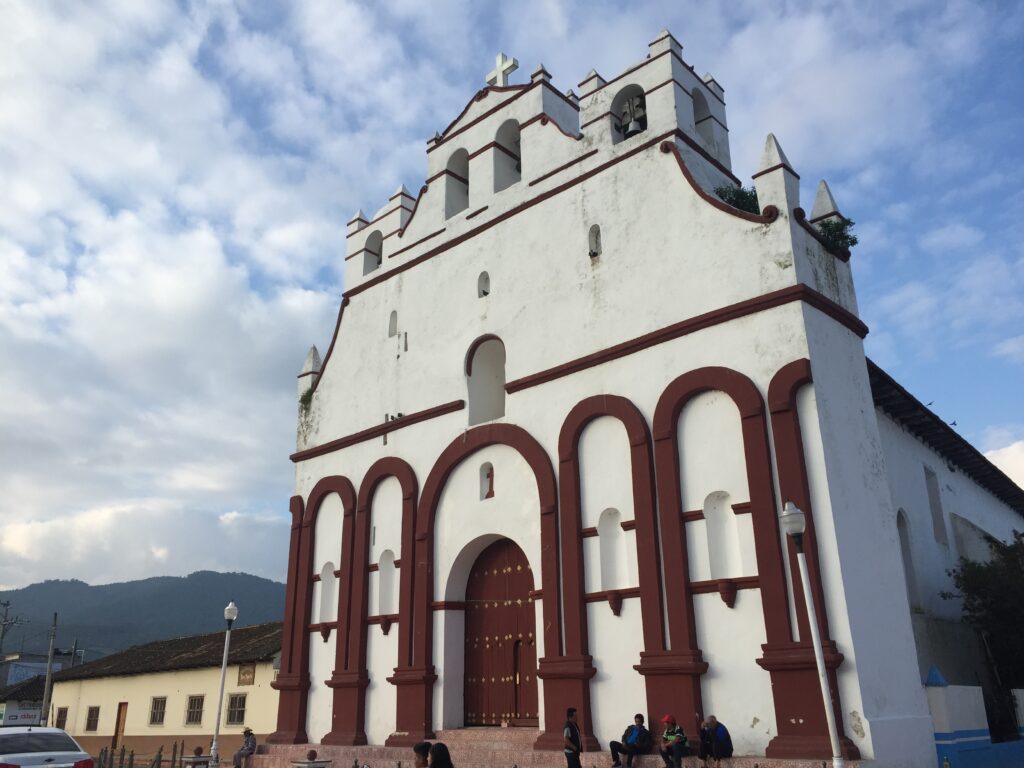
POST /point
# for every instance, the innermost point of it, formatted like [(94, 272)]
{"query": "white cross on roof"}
[(504, 66)]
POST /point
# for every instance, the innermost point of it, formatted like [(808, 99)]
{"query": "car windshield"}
[(20, 743)]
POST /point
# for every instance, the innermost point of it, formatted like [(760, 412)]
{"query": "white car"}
[(37, 746)]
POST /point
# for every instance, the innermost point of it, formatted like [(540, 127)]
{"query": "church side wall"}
[(860, 552), (906, 457), (967, 511)]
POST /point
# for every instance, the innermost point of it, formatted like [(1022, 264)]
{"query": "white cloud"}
[(1012, 349), (951, 237), (120, 542), (177, 180), (1010, 459)]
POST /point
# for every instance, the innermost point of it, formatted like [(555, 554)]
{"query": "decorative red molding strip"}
[(380, 429), (563, 167), (777, 298)]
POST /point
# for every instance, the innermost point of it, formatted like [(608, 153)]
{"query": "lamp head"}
[(793, 520), (231, 612)]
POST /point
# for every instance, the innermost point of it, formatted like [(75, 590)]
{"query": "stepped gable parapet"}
[(515, 142)]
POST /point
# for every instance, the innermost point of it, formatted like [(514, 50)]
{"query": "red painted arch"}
[(803, 730), (685, 658), (415, 673), (646, 527), (351, 677)]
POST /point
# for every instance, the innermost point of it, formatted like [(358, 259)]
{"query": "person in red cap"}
[(673, 744)]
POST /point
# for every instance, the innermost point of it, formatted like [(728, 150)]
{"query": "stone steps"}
[(492, 748)]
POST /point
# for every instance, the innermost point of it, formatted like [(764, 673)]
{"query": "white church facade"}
[(541, 464)]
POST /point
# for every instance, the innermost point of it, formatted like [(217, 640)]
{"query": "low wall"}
[(962, 738), (146, 746)]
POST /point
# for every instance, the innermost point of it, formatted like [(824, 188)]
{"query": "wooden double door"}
[(501, 645)]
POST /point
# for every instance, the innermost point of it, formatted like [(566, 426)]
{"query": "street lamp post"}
[(230, 614), (794, 523)]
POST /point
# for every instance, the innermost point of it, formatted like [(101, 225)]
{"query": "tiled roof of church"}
[(895, 400), (248, 645)]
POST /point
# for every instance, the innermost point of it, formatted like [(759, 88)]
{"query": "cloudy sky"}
[(176, 177)]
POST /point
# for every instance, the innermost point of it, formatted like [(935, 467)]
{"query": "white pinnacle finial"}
[(824, 202), (504, 66)]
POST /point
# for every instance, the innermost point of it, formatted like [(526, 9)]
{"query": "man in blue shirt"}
[(715, 741), (636, 740), (248, 748)]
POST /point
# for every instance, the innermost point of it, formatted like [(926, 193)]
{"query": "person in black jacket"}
[(636, 740), (715, 741), (572, 738)]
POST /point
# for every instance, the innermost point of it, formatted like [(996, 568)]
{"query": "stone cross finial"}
[(504, 66)]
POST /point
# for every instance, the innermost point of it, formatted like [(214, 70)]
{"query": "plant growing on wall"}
[(994, 604), (744, 198), (836, 234)]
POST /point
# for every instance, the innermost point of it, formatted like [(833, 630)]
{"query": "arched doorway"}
[(501, 648)]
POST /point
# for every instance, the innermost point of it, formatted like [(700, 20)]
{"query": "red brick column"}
[(293, 679), (799, 711)]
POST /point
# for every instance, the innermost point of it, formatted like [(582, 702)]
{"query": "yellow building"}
[(165, 692)]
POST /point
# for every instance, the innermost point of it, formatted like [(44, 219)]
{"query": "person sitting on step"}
[(248, 747), (674, 745), (636, 740), (715, 741)]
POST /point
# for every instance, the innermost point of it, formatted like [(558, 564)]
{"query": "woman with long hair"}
[(439, 757)]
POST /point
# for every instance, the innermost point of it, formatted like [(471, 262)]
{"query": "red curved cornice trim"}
[(770, 213), (545, 119), (337, 327)]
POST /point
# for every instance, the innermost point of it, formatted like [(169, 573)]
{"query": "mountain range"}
[(111, 617)]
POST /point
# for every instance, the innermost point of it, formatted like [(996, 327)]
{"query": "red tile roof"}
[(249, 645)]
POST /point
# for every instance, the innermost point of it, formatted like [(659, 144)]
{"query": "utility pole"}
[(6, 622), (44, 714), (74, 651)]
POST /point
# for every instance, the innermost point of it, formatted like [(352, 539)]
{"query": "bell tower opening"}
[(629, 113)]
